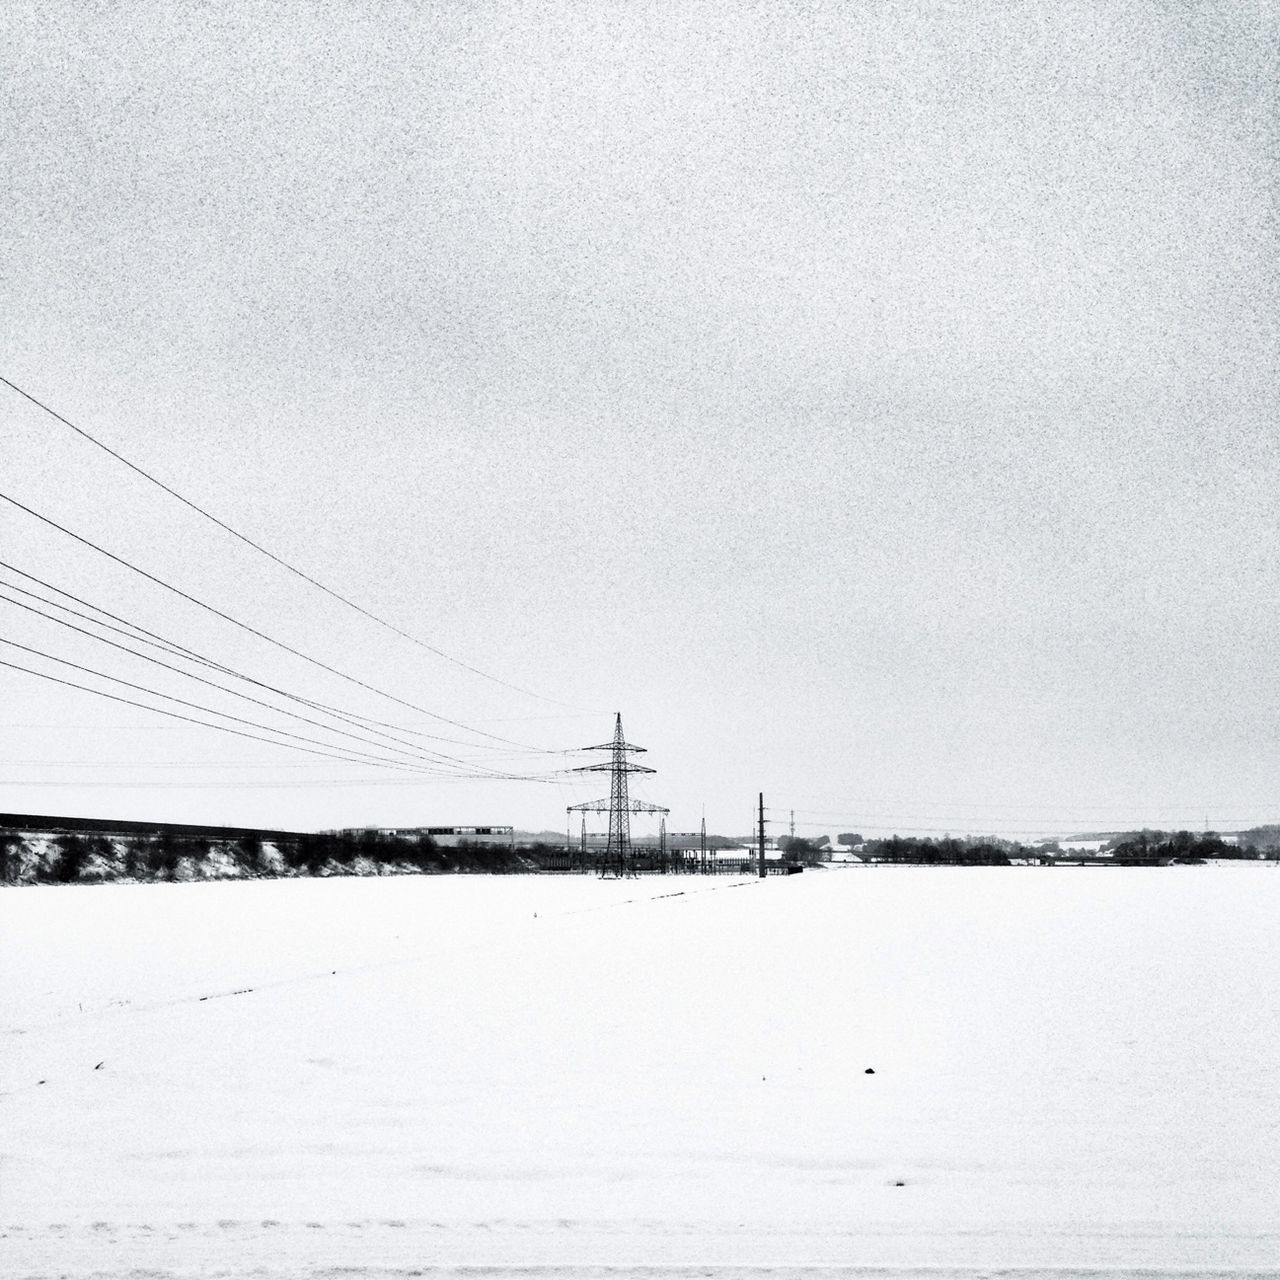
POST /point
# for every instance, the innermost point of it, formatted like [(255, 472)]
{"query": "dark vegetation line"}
[(179, 852), (1130, 848), (52, 850)]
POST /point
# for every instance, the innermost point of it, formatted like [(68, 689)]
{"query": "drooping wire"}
[(271, 555), (130, 630), (175, 649), (352, 753), (244, 626), (240, 733), (359, 758), (414, 780), (407, 749)]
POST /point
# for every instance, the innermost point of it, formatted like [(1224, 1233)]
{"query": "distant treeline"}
[(1181, 846), (1134, 848), (79, 857), (1263, 839), (71, 857)]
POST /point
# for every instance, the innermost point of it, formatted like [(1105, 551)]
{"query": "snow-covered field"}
[(1073, 1069)]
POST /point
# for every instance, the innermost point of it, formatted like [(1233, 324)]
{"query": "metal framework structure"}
[(619, 805)]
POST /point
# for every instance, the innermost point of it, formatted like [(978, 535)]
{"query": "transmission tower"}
[(619, 805)]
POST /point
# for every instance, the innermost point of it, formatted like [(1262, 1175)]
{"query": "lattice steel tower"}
[(619, 804)]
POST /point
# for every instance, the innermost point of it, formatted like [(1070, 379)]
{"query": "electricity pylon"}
[(619, 805)]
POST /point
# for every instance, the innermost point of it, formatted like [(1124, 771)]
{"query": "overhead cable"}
[(352, 753), (403, 766), (284, 564), (415, 753), (166, 645), (244, 626), (132, 702)]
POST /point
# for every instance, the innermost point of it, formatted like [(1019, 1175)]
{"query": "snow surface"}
[(1074, 1068)]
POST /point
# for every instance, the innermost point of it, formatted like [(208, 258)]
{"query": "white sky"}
[(876, 404)]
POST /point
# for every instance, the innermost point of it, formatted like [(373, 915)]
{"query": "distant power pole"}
[(702, 862), (793, 824), (760, 837)]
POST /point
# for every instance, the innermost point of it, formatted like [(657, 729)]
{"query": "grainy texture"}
[(875, 402), (1073, 1069)]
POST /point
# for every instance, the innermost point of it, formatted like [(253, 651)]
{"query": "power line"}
[(244, 626), (222, 764), (414, 780), (435, 757), (144, 636), (306, 577), (212, 765), (352, 754), (166, 645), (405, 749), (240, 733), (131, 702), (162, 764)]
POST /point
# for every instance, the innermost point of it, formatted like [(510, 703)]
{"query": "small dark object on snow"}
[(870, 1071), (899, 1184), (99, 1066)]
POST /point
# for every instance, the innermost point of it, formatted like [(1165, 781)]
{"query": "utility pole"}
[(760, 837), (702, 861)]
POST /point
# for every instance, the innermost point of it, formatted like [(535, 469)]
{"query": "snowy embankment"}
[(1072, 1068)]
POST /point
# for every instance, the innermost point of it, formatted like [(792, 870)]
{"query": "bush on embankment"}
[(89, 858)]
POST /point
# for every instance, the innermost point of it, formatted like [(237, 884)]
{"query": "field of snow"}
[(1074, 1070)]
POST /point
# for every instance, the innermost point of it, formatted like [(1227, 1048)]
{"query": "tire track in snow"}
[(121, 1008)]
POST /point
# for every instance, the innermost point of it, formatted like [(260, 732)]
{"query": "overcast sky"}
[(875, 403)]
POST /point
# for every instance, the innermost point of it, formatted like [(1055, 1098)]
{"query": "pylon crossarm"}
[(625, 766), (603, 806)]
